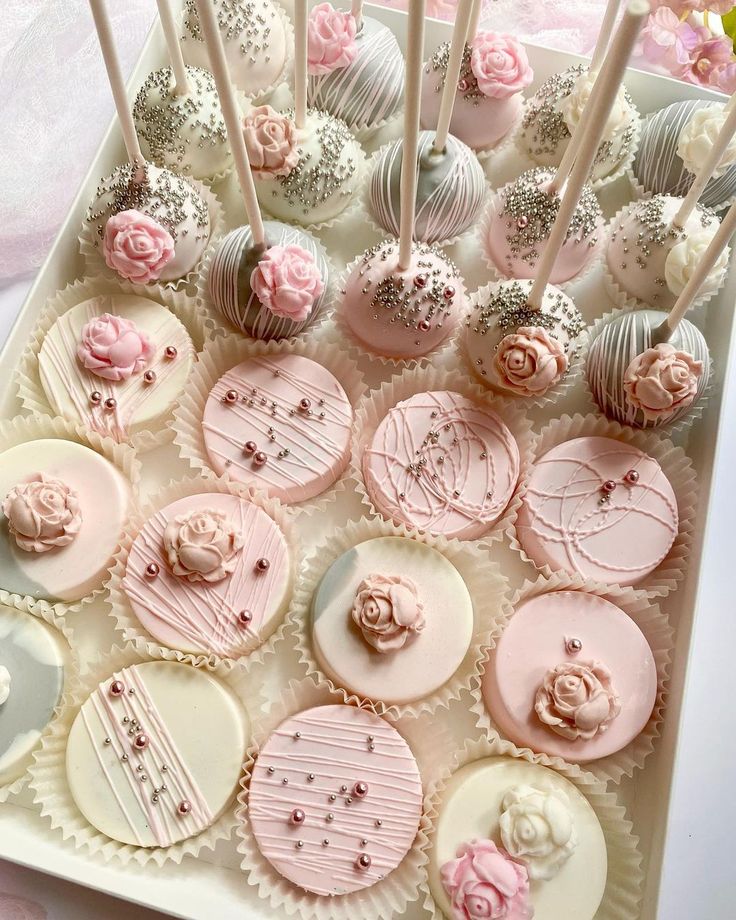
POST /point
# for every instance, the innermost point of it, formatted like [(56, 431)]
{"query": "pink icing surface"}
[(317, 439), (202, 616), (535, 641), (333, 746), (562, 522), (471, 468)]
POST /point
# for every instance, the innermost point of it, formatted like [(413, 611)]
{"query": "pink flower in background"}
[(723, 77), (682, 6), (710, 57), (667, 41)]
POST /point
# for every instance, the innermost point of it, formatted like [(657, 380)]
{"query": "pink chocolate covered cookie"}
[(571, 676), (599, 508), (335, 799)]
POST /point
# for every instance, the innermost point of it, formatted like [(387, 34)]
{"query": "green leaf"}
[(729, 25)]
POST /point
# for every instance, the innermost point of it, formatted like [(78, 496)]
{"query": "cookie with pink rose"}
[(380, 620), (494, 72), (516, 840), (271, 294), (115, 363)]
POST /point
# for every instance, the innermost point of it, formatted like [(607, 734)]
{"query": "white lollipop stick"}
[(231, 114), (455, 62), (117, 84), (592, 124), (412, 103), (181, 84), (698, 277), (709, 166), (356, 8), (300, 62), (474, 21), (604, 36)]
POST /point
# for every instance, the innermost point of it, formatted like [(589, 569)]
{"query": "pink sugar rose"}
[(577, 700), (271, 141), (202, 546), (530, 361), (42, 513), (114, 347), (136, 246), (484, 883), (499, 64), (661, 381), (667, 41), (331, 39), (287, 282)]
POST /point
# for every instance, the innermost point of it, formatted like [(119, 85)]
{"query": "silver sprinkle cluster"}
[(164, 200), (531, 211), (244, 22), (408, 302), (548, 126), (467, 84), (310, 184), (161, 115)]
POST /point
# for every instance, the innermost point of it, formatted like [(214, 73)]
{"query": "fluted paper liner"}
[(555, 394), (90, 245), (27, 378), (667, 428), (217, 325), (622, 168), (25, 428), (51, 789), (496, 273), (485, 583), (624, 882), (121, 609), (653, 623), (382, 231), (71, 670), (375, 406), (617, 294), (678, 469), (226, 352), (432, 747)]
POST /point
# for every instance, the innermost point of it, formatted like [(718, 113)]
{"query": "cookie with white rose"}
[(391, 620), (516, 840), (571, 676)]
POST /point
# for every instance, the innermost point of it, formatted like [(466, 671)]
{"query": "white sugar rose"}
[(202, 546), (661, 381), (698, 136), (537, 829), (572, 107), (387, 610), (577, 700), (685, 256)]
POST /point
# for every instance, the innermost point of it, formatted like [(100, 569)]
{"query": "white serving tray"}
[(212, 885)]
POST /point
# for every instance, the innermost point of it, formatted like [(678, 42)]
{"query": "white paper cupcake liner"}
[(71, 670), (487, 587), (359, 349), (678, 469), (382, 231), (668, 428), (618, 295), (653, 623), (432, 747), (224, 353), (569, 382), (624, 881), (121, 610), (497, 274), (25, 428), (27, 378), (52, 793), (217, 325), (377, 403)]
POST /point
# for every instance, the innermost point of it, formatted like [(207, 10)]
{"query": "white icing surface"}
[(429, 658), (5, 681), (69, 572), (470, 809), (202, 722)]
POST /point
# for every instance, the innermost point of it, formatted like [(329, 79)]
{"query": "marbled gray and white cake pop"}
[(675, 141), (637, 380), (450, 189)]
